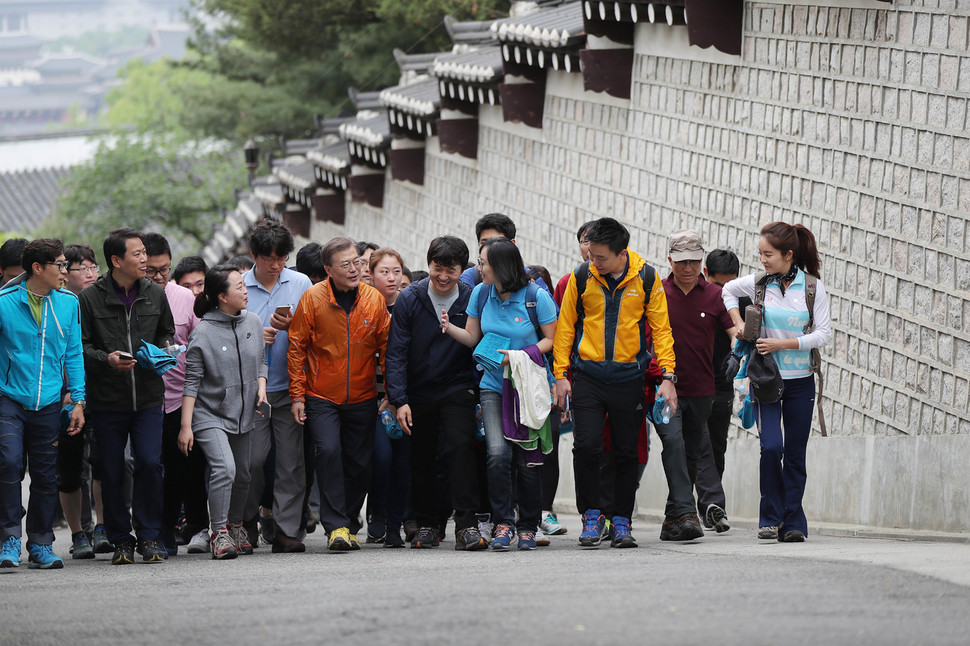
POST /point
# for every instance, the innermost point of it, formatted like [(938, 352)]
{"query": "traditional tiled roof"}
[(369, 137), (364, 100), (332, 164), (553, 28), (299, 146), (414, 63), (268, 191), (27, 198), (482, 65), (66, 63), (296, 173), (413, 107), (472, 32)]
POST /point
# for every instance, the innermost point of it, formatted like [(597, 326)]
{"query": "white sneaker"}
[(485, 526), (199, 544), (541, 539), (550, 525)]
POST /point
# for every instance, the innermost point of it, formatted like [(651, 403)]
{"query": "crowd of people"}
[(221, 408)]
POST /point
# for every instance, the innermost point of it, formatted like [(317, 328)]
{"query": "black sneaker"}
[(716, 518), (426, 537), (791, 536), (470, 540), (393, 538), (252, 530), (124, 552), (152, 551)]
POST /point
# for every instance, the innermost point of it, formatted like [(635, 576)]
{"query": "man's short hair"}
[(364, 246), (609, 232), (42, 250), (11, 252), (448, 251), (77, 253), (116, 244), (157, 245), (582, 229), (188, 265), (309, 263), (723, 261), (270, 237), (498, 221), (334, 246), (243, 261)]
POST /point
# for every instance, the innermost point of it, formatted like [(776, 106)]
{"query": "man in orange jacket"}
[(337, 333)]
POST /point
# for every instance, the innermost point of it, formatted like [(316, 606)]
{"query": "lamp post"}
[(252, 159)]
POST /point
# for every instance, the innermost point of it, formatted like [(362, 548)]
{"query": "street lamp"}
[(252, 159)]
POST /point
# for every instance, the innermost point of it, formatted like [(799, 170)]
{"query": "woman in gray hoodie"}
[(225, 383)]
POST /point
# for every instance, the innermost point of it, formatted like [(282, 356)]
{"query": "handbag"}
[(767, 386)]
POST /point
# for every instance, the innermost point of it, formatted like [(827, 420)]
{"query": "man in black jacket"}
[(119, 311), (430, 378)]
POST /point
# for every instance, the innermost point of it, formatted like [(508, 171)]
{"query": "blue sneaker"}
[(10, 552), (593, 525), (527, 540), (43, 557), (503, 538), (621, 533)]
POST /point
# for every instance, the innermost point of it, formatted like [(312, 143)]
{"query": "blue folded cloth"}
[(487, 351), (154, 358)]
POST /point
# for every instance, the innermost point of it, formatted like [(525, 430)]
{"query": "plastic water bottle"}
[(479, 424), (741, 385), (391, 426), (174, 350), (666, 413)]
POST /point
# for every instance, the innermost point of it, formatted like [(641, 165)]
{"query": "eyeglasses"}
[(481, 263), (270, 260), (360, 263), (90, 269), (687, 263), (151, 272), (61, 264)]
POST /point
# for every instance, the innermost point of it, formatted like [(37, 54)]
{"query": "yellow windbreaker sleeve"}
[(565, 330)]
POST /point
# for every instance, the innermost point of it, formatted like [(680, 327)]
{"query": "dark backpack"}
[(811, 287), (767, 386), (531, 300)]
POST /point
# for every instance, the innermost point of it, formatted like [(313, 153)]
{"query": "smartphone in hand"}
[(124, 355)]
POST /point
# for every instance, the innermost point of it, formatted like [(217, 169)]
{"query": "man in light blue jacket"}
[(40, 345)]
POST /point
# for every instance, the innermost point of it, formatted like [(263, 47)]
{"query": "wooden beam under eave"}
[(407, 164), (330, 207), (459, 136), (523, 102), (367, 188), (715, 23), (608, 70), (297, 219)]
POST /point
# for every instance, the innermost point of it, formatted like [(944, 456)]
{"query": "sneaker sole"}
[(590, 542), (83, 555), (337, 545), (55, 565), (555, 532), (476, 547), (9, 563), (106, 548), (157, 558), (122, 560), (498, 547), (225, 557), (418, 545), (624, 543)]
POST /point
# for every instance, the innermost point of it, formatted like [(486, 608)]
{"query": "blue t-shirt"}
[(509, 319)]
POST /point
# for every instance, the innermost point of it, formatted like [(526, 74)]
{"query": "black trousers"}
[(550, 466), (592, 400), (183, 480), (453, 416)]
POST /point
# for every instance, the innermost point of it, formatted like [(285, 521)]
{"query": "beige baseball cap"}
[(685, 245)]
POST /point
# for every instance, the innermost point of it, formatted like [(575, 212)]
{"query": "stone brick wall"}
[(849, 117)]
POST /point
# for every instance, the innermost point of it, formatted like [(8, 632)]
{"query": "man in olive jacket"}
[(119, 311)]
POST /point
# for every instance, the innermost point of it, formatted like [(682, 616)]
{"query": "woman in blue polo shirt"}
[(498, 305)]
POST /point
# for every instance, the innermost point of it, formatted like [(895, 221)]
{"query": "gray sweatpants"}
[(290, 481), (228, 456)]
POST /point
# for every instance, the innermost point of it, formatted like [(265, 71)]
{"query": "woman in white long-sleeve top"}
[(225, 382), (790, 258)]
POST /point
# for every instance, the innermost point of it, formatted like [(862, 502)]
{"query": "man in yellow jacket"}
[(338, 331), (612, 306)]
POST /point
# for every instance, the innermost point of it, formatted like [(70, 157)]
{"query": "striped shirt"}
[(785, 317)]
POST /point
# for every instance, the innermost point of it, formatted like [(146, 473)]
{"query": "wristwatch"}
[(671, 377), (81, 403)]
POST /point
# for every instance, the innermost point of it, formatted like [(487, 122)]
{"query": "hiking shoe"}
[(791, 536), (425, 538), (621, 536), (100, 542), (541, 539), (152, 551), (223, 547), (240, 538), (283, 544), (717, 519), (124, 552), (502, 540), (527, 540), (594, 524), (469, 539), (42, 557), (81, 548), (199, 543), (354, 543), (550, 525), (267, 528), (339, 540), (10, 552), (410, 529), (685, 527), (393, 538), (768, 532), (485, 526)]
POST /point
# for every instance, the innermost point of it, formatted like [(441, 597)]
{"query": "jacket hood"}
[(216, 315)]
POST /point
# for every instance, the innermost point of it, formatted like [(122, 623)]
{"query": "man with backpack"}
[(609, 304)]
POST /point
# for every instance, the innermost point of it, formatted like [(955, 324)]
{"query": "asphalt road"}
[(723, 589)]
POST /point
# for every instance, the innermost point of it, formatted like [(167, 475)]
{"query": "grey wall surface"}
[(849, 117)]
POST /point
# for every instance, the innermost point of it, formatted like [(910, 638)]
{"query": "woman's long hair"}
[(216, 284), (795, 238), (506, 263)]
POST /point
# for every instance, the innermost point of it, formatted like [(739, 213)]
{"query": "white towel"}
[(535, 398)]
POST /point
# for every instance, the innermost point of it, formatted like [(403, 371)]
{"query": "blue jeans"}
[(36, 433), (499, 464), (145, 429), (783, 455)]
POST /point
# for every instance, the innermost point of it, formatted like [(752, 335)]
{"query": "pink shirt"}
[(181, 302)]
